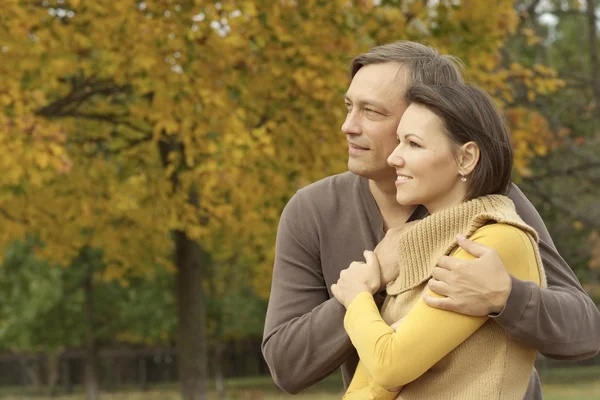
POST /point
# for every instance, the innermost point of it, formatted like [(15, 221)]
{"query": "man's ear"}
[(468, 157)]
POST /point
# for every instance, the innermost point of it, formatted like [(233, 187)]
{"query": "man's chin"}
[(382, 174), (355, 167), (360, 169)]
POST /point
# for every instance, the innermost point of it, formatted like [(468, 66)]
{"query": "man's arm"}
[(561, 321), (304, 338)]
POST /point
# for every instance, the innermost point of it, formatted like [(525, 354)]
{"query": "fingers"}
[(355, 264), (371, 259), (476, 249), (449, 263), (441, 274), (335, 290), (442, 303), (441, 288)]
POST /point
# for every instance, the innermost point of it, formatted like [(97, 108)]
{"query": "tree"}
[(46, 308), (35, 316), (563, 180)]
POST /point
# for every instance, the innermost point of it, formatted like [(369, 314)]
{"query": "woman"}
[(453, 157)]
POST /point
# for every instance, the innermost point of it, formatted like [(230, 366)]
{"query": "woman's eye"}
[(414, 144)]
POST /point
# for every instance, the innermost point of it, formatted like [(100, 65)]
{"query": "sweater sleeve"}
[(304, 338), (396, 358), (560, 321)]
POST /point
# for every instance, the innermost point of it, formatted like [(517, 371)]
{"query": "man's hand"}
[(358, 277), (476, 287), (387, 254)]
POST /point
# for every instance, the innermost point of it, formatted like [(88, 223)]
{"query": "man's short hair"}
[(424, 64)]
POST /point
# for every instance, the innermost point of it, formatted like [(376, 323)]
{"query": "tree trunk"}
[(54, 370), (191, 346), (594, 282), (143, 373), (31, 367), (593, 50), (189, 259), (92, 388), (219, 379), (66, 377)]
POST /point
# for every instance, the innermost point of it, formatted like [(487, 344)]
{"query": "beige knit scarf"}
[(421, 245)]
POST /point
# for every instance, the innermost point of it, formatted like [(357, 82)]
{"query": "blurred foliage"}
[(42, 305), (236, 102), (563, 181)]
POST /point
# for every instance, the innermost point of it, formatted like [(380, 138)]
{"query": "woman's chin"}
[(403, 200)]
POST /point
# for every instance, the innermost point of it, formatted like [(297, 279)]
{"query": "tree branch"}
[(110, 118), (566, 171), (80, 92), (9, 217)]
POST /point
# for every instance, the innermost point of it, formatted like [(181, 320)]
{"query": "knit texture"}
[(489, 364)]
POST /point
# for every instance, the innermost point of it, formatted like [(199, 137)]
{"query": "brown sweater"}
[(328, 224)]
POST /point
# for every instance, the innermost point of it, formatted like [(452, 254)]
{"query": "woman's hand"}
[(387, 253), (357, 278)]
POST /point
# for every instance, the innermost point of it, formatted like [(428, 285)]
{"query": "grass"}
[(573, 383), (570, 375), (582, 391)]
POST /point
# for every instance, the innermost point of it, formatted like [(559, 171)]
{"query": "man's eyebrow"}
[(364, 102)]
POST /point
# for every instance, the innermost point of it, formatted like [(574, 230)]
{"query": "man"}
[(328, 224)]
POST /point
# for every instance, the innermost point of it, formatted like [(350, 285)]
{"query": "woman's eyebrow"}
[(412, 134)]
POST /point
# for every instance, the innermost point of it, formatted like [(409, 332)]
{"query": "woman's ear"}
[(468, 157)]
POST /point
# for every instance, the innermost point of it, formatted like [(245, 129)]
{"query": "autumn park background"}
[(148, 148)]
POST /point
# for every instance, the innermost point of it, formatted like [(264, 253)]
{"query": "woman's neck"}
[(450, 200)]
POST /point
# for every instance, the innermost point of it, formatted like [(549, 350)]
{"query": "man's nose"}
[(351, 125)]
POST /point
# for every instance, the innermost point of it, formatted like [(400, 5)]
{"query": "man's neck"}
[(393, 214)]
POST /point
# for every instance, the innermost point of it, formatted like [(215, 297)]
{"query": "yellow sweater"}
[(437, 354)]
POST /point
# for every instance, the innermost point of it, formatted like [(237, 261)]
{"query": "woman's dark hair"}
[(469, 114)]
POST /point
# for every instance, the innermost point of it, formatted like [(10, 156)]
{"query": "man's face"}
[(375, 106)]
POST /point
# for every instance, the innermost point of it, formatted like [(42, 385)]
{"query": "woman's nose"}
[(395, 159)]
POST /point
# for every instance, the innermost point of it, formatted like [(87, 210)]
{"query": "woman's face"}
[(426, 167)]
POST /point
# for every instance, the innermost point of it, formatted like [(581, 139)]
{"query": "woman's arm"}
[(363, 387), (427, 334), (360, 381)]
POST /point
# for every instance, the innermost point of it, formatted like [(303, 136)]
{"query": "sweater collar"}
[(421, 245)]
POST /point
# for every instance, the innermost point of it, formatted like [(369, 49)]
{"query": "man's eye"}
[(371, 111), (349, 107)]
